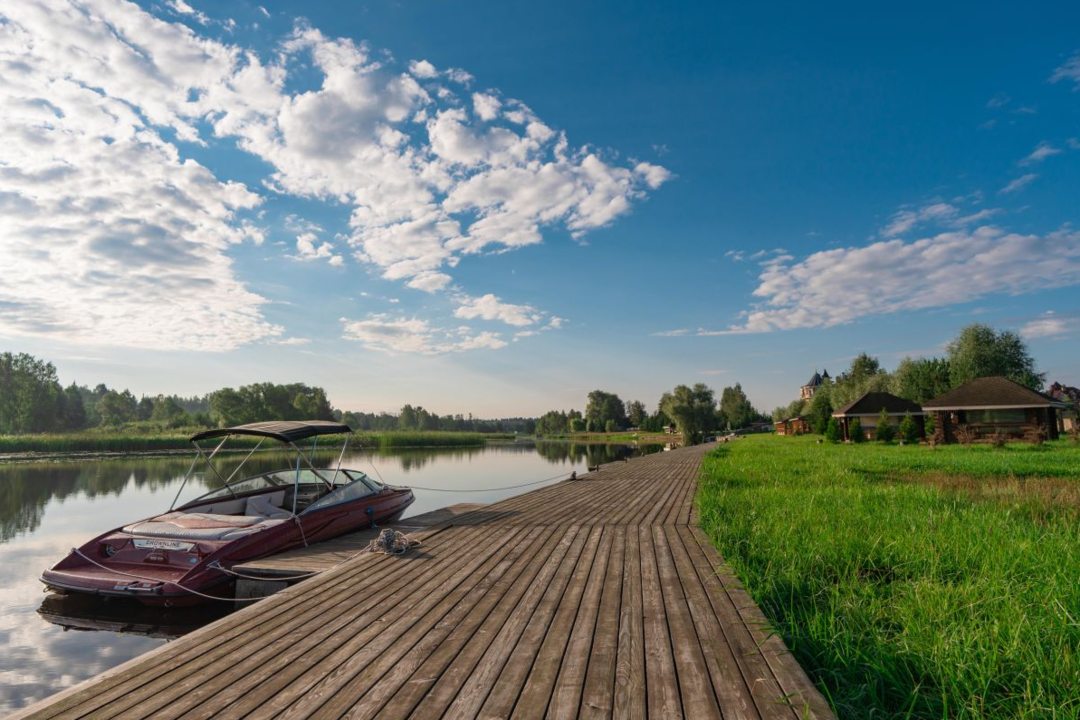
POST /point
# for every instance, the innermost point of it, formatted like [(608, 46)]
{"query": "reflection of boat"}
[(85, 612), (183, 556)]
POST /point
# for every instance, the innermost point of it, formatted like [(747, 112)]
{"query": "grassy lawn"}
[(909, 581)]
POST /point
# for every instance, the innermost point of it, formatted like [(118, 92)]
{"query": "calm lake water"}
[(47, 508)]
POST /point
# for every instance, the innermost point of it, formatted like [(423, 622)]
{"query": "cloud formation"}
[(413, 335), (1049, 325), (1019, 183), (100, 99), (833, 287)]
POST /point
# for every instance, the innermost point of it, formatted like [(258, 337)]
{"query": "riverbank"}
[(104, 443), (911, 581)]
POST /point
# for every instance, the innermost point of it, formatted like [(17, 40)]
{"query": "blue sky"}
[(497, 207)]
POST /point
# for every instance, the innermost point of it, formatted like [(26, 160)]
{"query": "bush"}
[(832, 431), (885, 432), (909, 430), (855, 431)]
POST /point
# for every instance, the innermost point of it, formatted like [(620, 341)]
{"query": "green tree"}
[(166, 410), (692, 409), (603, 406), (74, 410), (920, 380), (909, 430), (31, 399), (855, 431), (636, 413), (735, 407), (577, 425), (980, 351), (884, 432), (610, 426), (832, 430), (117, 408), (820, 411)]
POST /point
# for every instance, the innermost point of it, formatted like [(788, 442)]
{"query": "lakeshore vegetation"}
[(911, 581)]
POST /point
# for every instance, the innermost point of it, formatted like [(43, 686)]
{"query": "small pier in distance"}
[(597, 597)]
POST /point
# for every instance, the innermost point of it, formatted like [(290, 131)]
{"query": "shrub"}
[(832, 431), (909, 430), (964, 435), (855, 431), (885, 432), (998, 439)]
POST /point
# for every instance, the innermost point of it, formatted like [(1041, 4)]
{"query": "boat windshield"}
[(349, 485)]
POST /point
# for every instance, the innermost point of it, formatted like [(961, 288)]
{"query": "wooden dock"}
[(590, 598)]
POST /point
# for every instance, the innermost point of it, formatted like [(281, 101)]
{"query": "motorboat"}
[(185, 556)]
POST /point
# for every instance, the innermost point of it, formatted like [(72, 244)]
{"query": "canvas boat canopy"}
[(286, 431)]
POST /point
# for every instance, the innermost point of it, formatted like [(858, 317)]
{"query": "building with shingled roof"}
[(867, 410), (990, 407)]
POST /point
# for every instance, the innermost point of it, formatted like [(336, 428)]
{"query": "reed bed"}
[(911, 582), (133, 441)]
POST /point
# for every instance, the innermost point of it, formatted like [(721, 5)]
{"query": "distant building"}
[(816, 381), (792, 426), (867, 410), (1067, 419), (989, 407)]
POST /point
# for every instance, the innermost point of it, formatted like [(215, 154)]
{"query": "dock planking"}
[(592, 598)]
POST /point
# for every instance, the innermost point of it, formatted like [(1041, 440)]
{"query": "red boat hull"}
[(183, 571)]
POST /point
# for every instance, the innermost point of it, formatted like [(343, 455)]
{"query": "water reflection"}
[(46, 508)]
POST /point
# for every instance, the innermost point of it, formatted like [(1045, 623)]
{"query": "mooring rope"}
[(493, 489)]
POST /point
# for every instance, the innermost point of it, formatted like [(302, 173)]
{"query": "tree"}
[(692, 409), (610, 426), (577, 425), (909, 430), (31, 399), (820, 410), (115, 408), (636, 413), (922, 379), (832, 430), (166, 410), (855, 431), (74, 410), (884, 431), (408, 419), (979, 351), (603, 406), (736, 408)]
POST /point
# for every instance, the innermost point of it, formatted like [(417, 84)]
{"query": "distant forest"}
[(32, 400)]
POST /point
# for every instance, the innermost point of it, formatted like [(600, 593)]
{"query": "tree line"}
[(694, 411), (977, 351), (32, 400)]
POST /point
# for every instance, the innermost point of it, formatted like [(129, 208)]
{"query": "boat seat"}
[(264, 506), (201, 526)]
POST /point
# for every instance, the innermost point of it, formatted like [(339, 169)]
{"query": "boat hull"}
[(175, 572)]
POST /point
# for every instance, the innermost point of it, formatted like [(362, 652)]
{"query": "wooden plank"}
[(507, 687), (440, 677), (320, 676), (598, 693), (796, 685), (536, 693), (566, 695), (695, 685), (390, 680), (661, 685), (731, 689), (629, 692)]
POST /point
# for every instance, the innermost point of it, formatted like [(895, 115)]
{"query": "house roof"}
[(872, 402), (991, 393), (815, 380)]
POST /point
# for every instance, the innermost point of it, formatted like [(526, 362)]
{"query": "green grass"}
[(910, 581)]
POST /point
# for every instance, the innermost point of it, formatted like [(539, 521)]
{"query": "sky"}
[(496, 207)]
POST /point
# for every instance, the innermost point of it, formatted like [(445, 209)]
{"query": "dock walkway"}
[(593, 598)]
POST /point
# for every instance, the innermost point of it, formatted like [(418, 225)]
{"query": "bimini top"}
[(285, 431)]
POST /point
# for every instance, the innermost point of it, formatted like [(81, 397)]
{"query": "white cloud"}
[(293, 341), (1019, 183), (1042, 151), (91, 179), (1070, 70), (413, 335), (940, 214), (832, 287), (308, 247), (489, 307), (184, 9), (486, 106), (1048, 325), (108, 235)]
